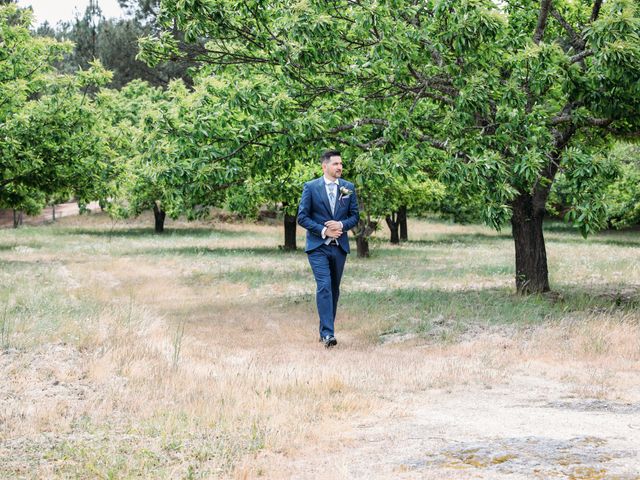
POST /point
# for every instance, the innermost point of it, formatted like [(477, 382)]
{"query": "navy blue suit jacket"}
[(315, 209)]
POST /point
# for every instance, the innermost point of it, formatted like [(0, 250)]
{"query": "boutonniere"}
[(344, 193)]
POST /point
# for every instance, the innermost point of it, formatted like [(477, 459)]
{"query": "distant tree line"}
[(114, 42)]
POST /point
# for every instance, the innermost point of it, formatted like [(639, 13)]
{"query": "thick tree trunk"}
[(363, 232), (159, 216), (402, 220), (394, 227), (532, 275), (290, 232), (362, 246), (17, 218)]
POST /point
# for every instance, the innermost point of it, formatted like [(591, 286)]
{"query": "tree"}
[(617, 186), (114, 42), (170, 160), (513, 92), (53, 147), (145, 11), (622, 197), (416, 194), (279, 190), (51, 143)]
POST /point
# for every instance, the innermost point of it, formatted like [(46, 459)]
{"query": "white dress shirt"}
[(328, 182)]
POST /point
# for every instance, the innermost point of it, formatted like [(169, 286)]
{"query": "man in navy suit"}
[(328, 209)]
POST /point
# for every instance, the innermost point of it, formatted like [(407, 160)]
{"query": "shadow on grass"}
[(138, 232), (423, 310), (605, 238), (619, 238), (568, 235), (255, 278), (465, 239), (217, 251), (432, 314)]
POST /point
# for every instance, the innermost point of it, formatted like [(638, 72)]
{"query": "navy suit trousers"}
[(327, 263)]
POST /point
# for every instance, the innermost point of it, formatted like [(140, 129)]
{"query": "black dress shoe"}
[(329, 341)]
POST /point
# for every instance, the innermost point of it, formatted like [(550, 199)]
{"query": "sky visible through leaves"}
[(65, 10)]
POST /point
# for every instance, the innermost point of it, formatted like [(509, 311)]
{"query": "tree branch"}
[(253, 141), (359, 123), (437, 82), (581, 56), (378, 142), (633, 135), (596, 10), (541, 188), (575, 39), (594, 122), (439, 144), (545, 5)]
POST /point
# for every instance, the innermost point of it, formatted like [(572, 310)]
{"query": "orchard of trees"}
[(481, 110)]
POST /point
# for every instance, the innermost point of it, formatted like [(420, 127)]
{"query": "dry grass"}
[(192, 354)]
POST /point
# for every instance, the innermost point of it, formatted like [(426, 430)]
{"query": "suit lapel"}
[(324, 195)]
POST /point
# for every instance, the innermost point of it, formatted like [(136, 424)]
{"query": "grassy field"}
[(194, 354)]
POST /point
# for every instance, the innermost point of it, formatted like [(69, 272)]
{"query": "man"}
[(328, 209)]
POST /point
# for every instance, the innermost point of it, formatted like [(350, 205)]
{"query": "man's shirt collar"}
[(327, 181)]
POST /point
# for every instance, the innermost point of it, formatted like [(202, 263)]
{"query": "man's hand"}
[(334, 229)]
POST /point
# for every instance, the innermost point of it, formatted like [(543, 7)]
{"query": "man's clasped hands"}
[(334, 229)]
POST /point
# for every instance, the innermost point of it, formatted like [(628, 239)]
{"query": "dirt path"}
[(530, 427), (61, 210)]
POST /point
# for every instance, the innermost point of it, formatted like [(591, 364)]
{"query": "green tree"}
[(51, 144), (416, 194), (170, 156), (145, 11), (114, 42), (622, 197), (512, 92)]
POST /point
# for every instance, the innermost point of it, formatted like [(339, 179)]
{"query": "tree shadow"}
[(491, 305), (460, 238), (600, 241), (615, 238), (216, 251), (254, 278), (138, 232)]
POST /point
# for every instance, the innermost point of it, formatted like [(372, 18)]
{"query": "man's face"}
[(333, 168)]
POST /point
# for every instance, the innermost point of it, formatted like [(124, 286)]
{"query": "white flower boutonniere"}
[(344, 193)]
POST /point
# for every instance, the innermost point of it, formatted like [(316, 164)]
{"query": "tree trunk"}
[(290, 232), (159, 215), (402, 220), (362, 247), (394, 226), (17, 218), (532, 275), (53, 212), (363, 231)]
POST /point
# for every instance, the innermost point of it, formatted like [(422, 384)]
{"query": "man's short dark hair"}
[(326, 156)]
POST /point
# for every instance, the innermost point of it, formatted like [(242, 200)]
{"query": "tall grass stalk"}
[(178, 337), (5, 327)]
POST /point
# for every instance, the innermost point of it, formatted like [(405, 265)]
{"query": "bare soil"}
[(529, 427)]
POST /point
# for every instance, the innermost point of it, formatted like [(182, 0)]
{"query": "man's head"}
[(331, 164)]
